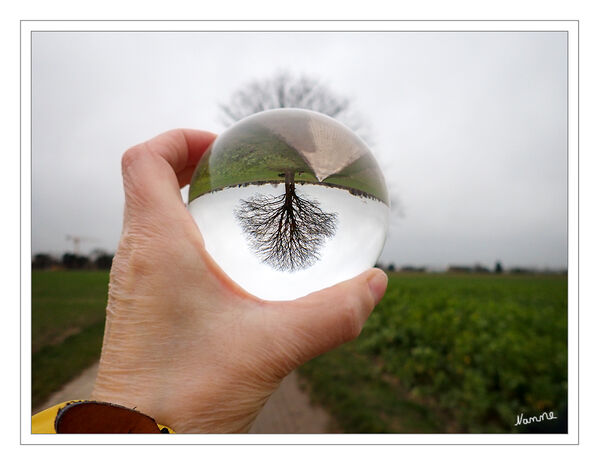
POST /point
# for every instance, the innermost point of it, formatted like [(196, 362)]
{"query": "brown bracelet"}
[(103, 418)]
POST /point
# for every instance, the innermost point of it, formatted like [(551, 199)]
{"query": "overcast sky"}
[(470, 129)]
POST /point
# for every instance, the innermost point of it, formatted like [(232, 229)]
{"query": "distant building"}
[(468, 269), (459, 269), (413, 269), (521, 270)]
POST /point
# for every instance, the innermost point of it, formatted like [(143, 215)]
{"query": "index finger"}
[(154, 170), (181, 148)]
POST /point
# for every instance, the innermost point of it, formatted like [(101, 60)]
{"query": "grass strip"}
[(359, 399), (53, 366)]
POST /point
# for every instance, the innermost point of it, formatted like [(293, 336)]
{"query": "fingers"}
[(184, 176), (325, 319), (154, 171)]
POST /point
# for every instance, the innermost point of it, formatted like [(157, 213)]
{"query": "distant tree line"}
[(499, 269), (476, 268), (97, 261)]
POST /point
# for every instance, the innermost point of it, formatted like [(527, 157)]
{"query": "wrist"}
[(217, 406)]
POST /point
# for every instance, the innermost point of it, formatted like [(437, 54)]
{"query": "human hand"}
[(185, 344)]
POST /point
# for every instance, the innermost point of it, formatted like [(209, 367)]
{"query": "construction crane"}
[(77, 240)]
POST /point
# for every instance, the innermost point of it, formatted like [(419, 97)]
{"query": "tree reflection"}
[(286, 231)]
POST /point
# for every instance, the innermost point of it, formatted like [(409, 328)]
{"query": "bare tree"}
[(284, 90)]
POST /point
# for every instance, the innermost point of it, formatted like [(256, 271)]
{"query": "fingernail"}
[(377, 284)]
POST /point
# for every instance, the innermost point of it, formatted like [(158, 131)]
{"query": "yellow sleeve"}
[(43, 422)]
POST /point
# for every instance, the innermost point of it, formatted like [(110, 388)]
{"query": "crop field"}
[(452, 353), (440, 353)]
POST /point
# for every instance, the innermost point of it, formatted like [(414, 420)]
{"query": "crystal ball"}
[(289, 202)]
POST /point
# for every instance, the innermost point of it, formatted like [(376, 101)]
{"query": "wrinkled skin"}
[(183, 343)]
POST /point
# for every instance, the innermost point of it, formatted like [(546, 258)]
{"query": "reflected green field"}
[(255, 155)]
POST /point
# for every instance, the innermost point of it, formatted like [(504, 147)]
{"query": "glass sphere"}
[(289, 202)]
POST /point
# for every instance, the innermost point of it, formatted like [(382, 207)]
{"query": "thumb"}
[(326, 319)]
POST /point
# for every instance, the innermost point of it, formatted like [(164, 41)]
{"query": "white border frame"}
[(571, 27)]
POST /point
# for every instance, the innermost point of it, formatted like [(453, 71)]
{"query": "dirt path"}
[(77, 389), (288, 411)]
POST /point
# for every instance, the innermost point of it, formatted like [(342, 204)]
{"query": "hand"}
[(185, 344)]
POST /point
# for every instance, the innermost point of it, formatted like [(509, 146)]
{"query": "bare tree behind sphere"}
[(285, 90)]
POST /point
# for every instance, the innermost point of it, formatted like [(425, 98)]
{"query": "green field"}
[(440, 353), (67, 326), (451, 353), (255, 155)]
